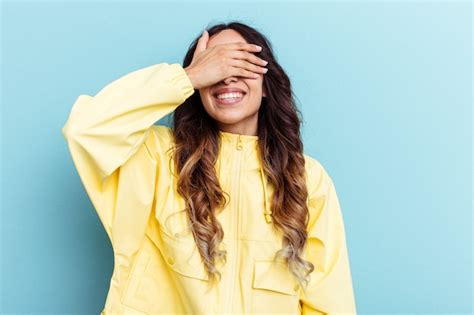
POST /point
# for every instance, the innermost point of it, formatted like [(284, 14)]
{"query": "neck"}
[(246, 127)]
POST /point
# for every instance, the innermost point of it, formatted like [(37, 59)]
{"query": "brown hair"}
[(196, 138)]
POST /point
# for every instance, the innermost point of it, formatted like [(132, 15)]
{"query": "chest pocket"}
[(150, 281), (178, 245), (274, 289)]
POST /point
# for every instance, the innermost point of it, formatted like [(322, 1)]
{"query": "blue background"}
[(385, 90)]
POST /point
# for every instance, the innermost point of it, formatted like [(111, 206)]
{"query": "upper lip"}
[(228, 90)]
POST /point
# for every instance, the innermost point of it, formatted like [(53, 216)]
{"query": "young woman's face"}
[(240, 117)]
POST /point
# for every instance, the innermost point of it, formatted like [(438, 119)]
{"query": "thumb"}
[(202, 42)]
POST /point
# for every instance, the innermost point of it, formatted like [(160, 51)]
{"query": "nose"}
[(228, 80)]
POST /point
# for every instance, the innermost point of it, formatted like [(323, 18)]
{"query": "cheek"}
[(254, 101), (206, 98), (256, 91), (255, 85)]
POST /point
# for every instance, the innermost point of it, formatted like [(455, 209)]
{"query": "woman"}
[(223, 212)]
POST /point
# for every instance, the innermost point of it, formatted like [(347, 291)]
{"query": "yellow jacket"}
[(121, 157)]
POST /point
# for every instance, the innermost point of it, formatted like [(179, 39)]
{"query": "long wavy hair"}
[(196, 146)]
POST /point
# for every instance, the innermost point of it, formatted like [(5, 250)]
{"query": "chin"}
[(228, 119)]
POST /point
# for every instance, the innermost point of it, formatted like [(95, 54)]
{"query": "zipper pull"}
[(239, 143)]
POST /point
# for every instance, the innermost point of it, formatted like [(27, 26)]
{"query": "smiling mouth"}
[(232, 99)]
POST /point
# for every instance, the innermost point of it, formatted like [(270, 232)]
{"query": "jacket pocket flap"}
[(275, 276), (182, 255)]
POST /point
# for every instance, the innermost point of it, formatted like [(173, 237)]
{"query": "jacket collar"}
[(245, 146), (238, 141)]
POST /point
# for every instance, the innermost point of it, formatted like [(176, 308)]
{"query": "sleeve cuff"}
[(180, 79)]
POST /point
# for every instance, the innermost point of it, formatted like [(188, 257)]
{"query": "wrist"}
[(190, 76)]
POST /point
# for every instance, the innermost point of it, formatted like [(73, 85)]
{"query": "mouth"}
[(229, 98)]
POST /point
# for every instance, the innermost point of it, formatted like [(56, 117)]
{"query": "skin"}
[(241, 118)]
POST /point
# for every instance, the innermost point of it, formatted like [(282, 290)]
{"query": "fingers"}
[(241, 72), (243, 46), (237, 54), (247, 61), (248, 66), (202, 42)]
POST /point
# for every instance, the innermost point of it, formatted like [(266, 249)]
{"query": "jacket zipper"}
[(237, 218)]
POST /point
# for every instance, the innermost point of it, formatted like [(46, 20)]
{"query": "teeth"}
[(229, 95)]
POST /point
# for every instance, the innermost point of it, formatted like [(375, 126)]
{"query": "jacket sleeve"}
[(113, 146), (330, 290)]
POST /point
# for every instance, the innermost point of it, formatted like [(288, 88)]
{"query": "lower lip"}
[(229, 101)]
